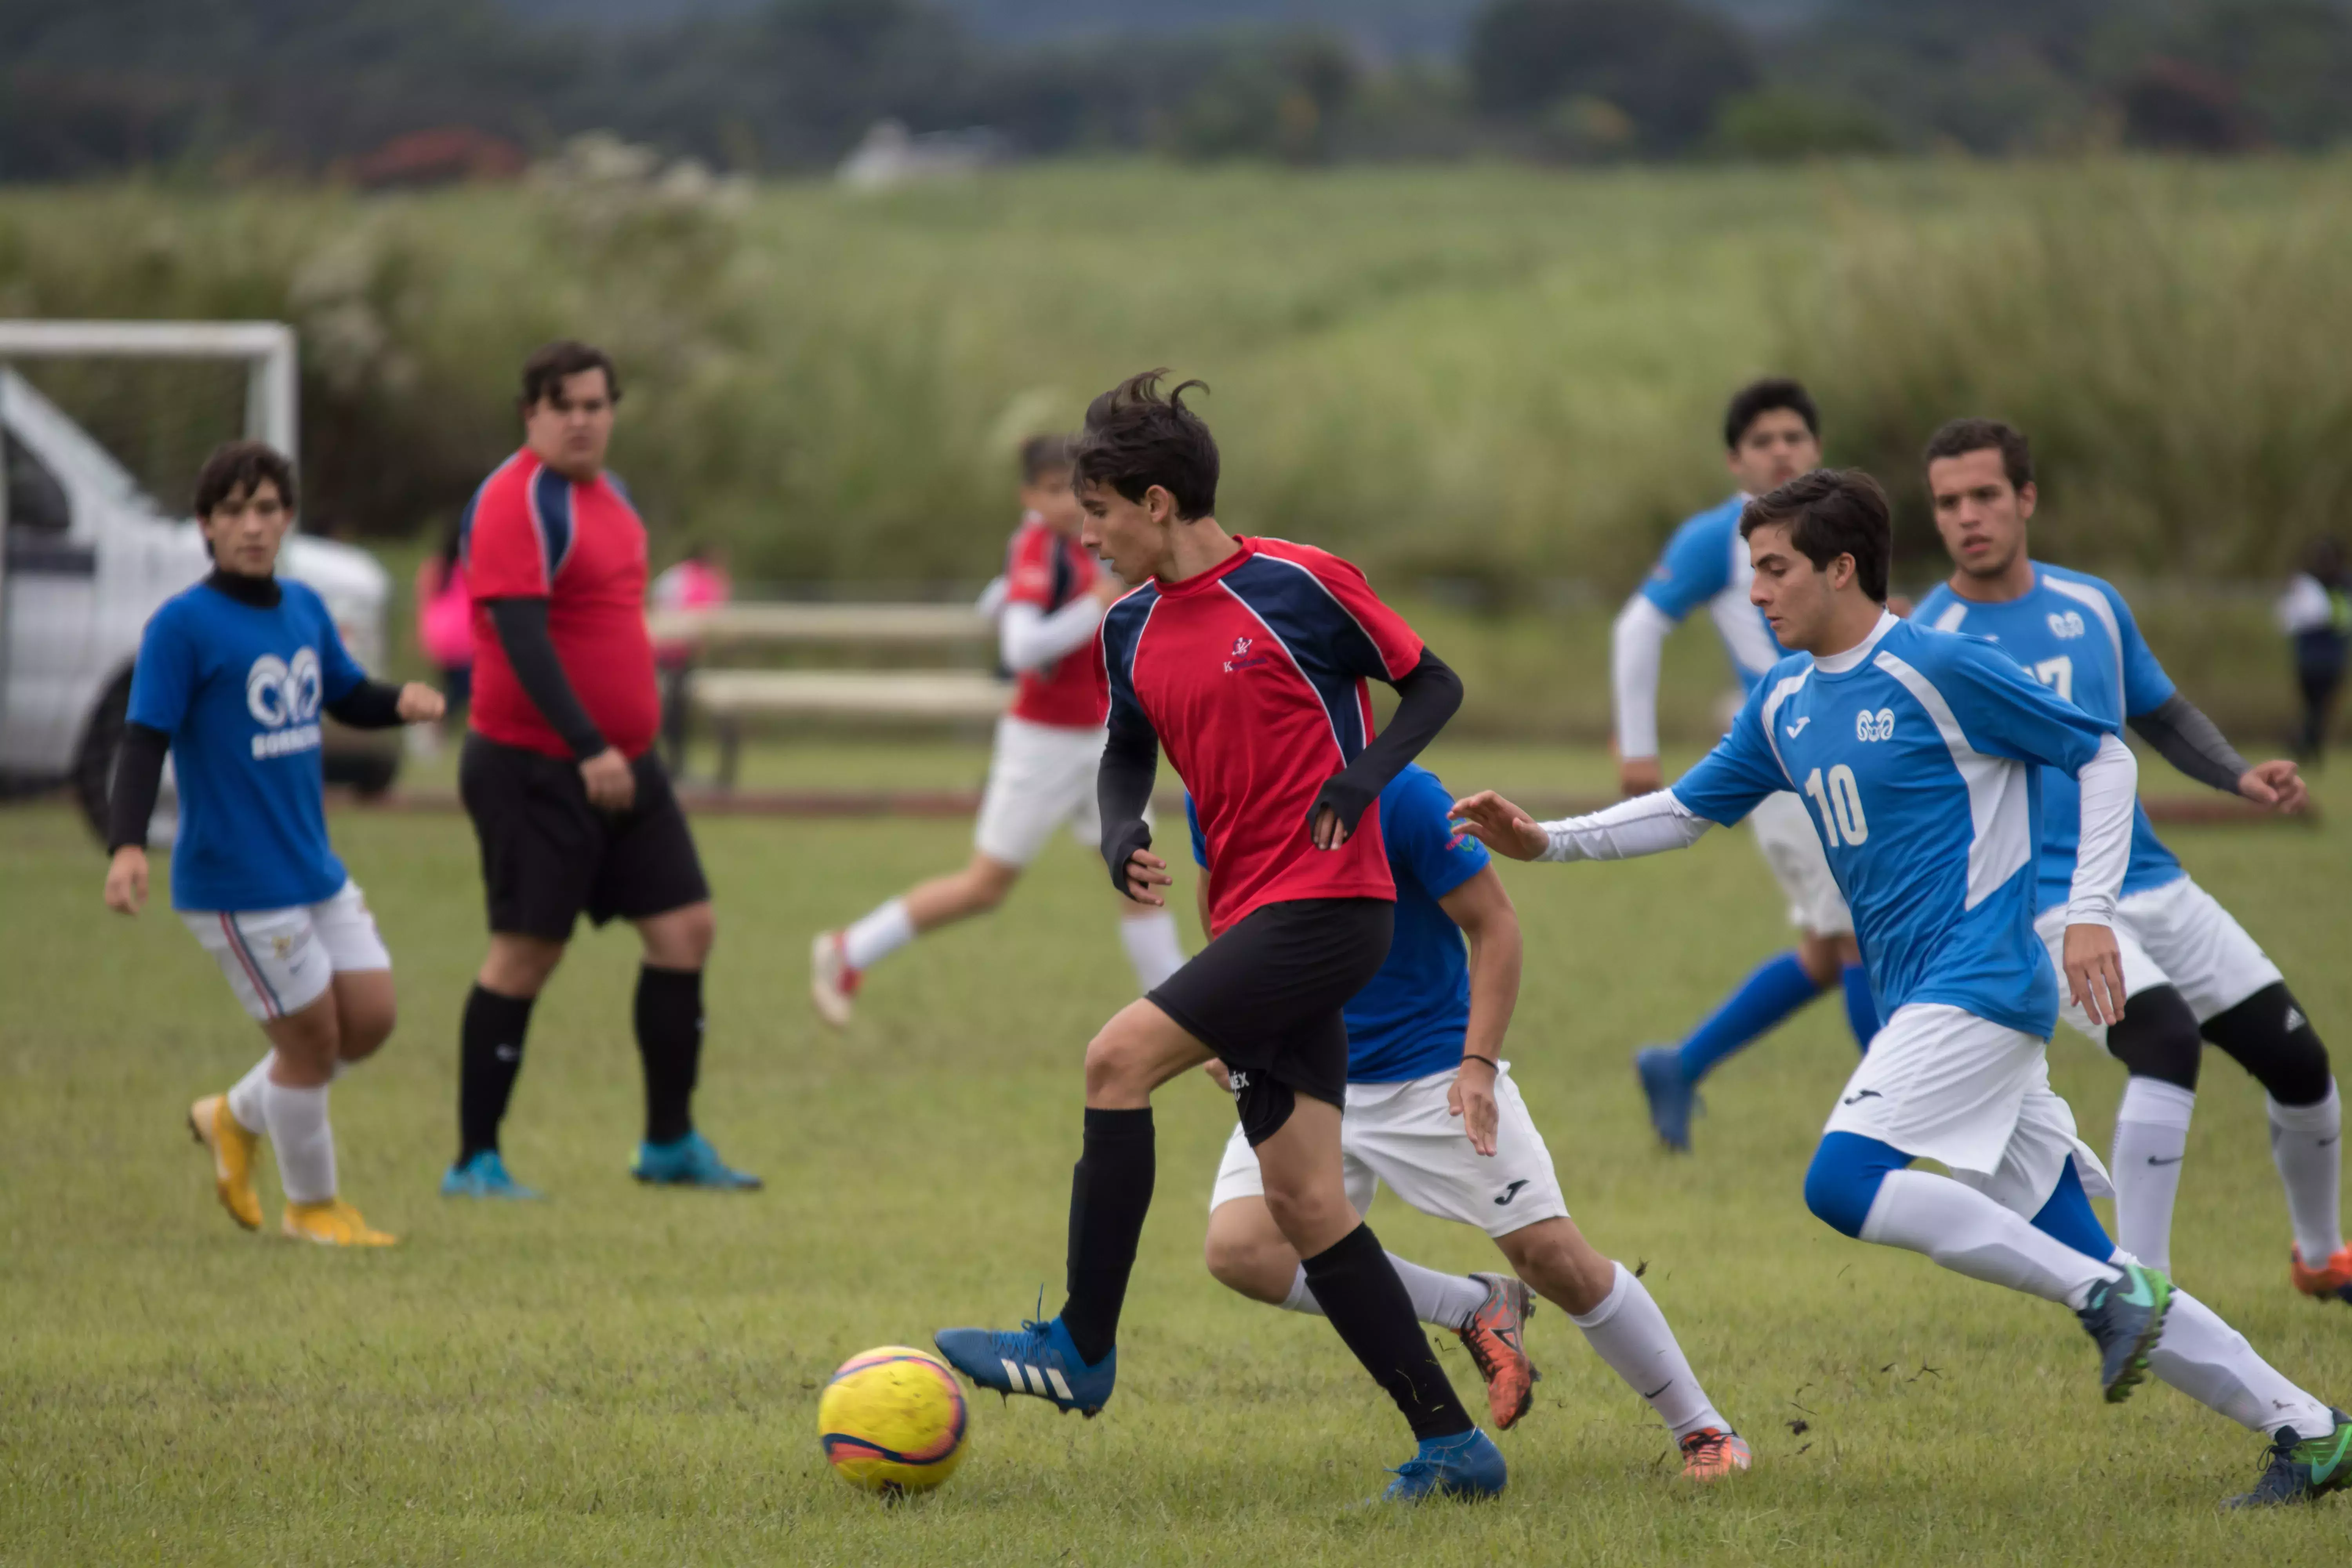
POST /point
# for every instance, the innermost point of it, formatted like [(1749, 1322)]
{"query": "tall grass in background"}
[(1501, 375)]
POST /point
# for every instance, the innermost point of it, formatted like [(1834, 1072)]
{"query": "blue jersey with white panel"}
[(1921, 758), (1409, 1020), (1705, 562), (2074, 633), (239, 688)]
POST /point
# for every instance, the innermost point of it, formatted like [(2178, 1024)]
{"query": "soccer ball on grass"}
[(893, 1421)]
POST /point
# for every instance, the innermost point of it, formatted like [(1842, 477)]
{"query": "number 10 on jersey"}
[(1839, 804)]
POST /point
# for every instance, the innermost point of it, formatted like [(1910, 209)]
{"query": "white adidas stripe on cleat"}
[(1054, 1374), (1014, 1372)]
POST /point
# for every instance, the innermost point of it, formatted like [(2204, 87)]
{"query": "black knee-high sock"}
[(1110, 1192), (670, 1042), (1358, 1290), (490, 1054)]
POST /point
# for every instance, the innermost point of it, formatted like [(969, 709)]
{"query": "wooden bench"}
[(729, 697)]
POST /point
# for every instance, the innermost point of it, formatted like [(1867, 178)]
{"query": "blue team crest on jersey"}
[(2066, 624), (284, 696), (1878, 726)]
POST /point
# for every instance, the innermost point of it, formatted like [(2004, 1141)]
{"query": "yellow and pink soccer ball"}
[(893, 1421)]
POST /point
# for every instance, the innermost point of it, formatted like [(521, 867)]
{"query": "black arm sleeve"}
[(370, 705), (522, 632), (1429, 694), (1130, 760), (2190, 742), (138, 780)]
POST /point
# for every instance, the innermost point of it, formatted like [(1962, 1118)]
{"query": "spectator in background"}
[(698, 582), (444, 630), (2315, 612)]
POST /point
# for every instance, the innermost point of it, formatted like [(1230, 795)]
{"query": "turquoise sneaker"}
[(2126, 1317), (1039, 1359), (1467, 1466), (483, 1177), (690, 1161)]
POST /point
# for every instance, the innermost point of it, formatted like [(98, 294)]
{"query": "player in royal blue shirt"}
[(1771, 433), (1433, 1111), (1921, 756), (2190, 971), (231, 680)]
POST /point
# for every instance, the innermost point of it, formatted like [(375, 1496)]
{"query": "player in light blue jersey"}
[(2190, 971), (232, 679), (1433, 1111), (1921, 756), (1771, 434)]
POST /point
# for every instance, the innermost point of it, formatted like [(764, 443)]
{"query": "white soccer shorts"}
[(279, 961), (1401, 1133), (2177, 935), (1039, 777), (1943, 1084), (1784, 831)]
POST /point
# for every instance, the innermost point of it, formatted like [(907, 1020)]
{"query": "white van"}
[(89, 557)]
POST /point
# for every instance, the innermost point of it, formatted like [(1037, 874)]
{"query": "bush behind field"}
[(1489, 373)]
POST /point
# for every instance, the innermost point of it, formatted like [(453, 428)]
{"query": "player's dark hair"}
[(1832, 512), (1041, 455), (549, 367), (1763, 397), (238, 468), (1137, 437), (1959, 438)]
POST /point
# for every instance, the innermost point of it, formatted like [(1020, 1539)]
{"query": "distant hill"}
[(1389, 27)]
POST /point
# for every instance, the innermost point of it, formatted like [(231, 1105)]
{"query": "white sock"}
[(1151, 946), (2211, 1363), (1441, 1301), (1969, 1233), (1630, 1334), (245, 1096), (2151, 1139), (878, 935), (2310, 1159), (304, 1141)]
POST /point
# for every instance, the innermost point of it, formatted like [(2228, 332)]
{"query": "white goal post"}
[(272, 395)]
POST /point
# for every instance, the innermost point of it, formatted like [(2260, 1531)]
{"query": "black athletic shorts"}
[(548, 856), (1267, 997)]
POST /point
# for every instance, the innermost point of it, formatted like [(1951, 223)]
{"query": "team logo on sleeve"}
[(1878, 726), (2066, 624), (284, 698)]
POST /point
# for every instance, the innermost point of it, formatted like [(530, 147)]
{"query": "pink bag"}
[(445, 617)]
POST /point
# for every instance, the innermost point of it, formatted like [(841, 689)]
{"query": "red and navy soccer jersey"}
[(1252, 676), (1049, 570), (530, 533)]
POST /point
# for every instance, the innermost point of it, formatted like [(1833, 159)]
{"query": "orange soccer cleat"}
[(1493, 1337), (1711, 1453), (2332, 1281)]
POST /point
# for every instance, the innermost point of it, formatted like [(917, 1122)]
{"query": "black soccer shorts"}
[(549, 856), (1267, 997)]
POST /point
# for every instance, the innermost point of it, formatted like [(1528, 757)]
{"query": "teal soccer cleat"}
[(690, 1161), (1039, 1359), (483, 1177), (2300, 1468), (1672, 1100), (1467, 1465), (2124, 1317)]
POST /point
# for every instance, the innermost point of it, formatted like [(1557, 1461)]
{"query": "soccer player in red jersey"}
[(572, 809), (1041, 773), (1246, 659)]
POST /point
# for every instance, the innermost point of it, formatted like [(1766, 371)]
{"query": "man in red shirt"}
[(572, 807), (1247, 660), (1041, 773)]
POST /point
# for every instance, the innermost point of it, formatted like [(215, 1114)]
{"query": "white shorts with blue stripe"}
[(279, 961)]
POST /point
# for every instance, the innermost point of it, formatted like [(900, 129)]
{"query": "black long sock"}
[(1358, 1290), (490, 1054), (1110, 1192), (669, 1043)]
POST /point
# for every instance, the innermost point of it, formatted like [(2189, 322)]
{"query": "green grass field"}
[(623, 1375)]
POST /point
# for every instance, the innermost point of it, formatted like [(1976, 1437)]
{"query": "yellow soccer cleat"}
[(232, 1149), (332, 1224)]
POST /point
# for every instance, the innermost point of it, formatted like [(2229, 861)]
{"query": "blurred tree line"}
[(226, 87)]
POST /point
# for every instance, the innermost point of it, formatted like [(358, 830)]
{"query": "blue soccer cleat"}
[(2126, 1317), (1467, 1466), (483, 1175), (2299, 1470), (1671, 1099), (1039, 1359), (690, 1161)]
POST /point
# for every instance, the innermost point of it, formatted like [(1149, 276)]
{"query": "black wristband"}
[(1474, 1056)]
